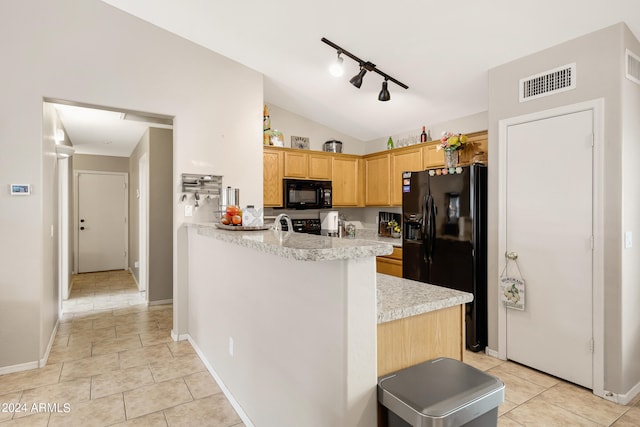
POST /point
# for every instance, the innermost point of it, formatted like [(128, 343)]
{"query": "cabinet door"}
[(476, 143), (406, 160), (431, 157), (272, 177), (295, 164), (320, 166), (346, 181), (377, 180)]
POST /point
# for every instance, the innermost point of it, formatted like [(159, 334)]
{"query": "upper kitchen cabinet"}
[(476, 148), (272, 177), (347, 180), (432, 157), (403, 160), (377, 173), (307, 165)]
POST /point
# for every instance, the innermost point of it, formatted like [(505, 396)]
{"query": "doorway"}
[(111, 141), (101, 221), (550, 219)]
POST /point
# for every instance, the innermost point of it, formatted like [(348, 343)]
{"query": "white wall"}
[(304, 333), (292, 124), (468, 124), (92, 53), (599, 61), (630, 295)]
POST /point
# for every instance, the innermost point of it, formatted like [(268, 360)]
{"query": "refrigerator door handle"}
[(429, 219)]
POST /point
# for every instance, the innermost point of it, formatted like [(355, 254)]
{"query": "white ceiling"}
[(441, 49), (102, 132)]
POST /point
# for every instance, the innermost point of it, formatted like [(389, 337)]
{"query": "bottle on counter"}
[(389, 144), (423, 135)]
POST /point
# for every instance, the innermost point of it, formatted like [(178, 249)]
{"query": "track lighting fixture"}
[(364, 67), (357, 79), (337, 69), (384, 93)]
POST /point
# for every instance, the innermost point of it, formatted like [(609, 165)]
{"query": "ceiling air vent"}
[(548, 83), (633, 67)]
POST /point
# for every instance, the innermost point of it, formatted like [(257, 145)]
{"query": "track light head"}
[(384, 93), (357, 79), (336, 69)]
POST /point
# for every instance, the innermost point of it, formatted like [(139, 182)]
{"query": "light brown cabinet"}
[(344, 170), (306, 165), (320, 166), (432, 157), (347, 180), (390, 264), (377, 186), (272, 177), (406, 159), (371, 180), (407, 342)]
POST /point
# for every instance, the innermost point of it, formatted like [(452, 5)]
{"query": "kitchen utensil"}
[(332, 146)]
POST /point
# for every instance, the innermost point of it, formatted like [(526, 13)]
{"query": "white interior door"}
[(102, 222), (549, 224)]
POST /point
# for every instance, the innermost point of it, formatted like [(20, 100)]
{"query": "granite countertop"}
[(399, 298), (298, 246), (372, 235)]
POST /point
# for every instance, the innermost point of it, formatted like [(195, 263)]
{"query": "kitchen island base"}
[(293, 341)]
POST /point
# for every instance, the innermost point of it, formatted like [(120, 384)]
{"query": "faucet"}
[(277, 225)]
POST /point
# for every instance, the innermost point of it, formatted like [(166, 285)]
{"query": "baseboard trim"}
[(492, 353), (161, 302), (622, 399), (243, 416), (179, 337), (43, 361), (18, 368)]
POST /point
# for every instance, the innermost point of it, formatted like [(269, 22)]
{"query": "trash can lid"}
[(439, 387)]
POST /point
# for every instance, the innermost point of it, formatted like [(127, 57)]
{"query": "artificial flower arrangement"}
[(452, 141)]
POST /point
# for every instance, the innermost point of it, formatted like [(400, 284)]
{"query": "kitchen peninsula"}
[(289, 322)]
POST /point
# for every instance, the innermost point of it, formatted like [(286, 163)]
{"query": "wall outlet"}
[(136, 264), (188, 210), (230, 346), (628, 239)]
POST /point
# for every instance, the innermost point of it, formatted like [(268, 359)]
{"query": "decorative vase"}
[(451, 158)]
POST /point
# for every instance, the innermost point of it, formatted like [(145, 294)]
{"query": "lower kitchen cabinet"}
[(390, 264), (407, 342)]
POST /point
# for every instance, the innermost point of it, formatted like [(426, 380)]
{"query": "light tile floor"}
[(533, 398), (114, 363)]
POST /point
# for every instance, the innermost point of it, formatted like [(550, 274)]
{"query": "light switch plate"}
[(188, 210), (628, 239)]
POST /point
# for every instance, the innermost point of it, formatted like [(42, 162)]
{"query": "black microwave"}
[(306, 194)]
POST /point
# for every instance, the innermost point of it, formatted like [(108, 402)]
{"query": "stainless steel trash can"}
[(441, 392)]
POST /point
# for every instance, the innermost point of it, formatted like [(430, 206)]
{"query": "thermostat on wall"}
[(20, 189)]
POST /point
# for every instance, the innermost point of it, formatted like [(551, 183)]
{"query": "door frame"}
[(76, 208), (596, 106), (143, 227)]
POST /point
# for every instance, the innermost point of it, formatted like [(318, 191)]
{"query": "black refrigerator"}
[(444, 241)]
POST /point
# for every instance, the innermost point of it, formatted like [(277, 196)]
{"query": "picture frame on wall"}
[(300, 142)]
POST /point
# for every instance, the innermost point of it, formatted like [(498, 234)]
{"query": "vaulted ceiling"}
[(441, 49)]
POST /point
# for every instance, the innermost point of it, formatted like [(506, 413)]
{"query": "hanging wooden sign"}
[(512, 292)]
